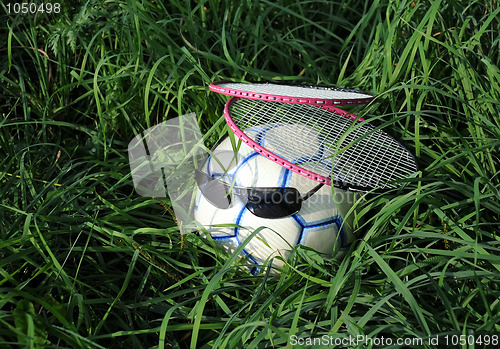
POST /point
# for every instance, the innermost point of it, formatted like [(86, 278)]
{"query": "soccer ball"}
[(322, 222)]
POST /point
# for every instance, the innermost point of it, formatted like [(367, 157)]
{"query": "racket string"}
[(368, 164), (281, 92), (340, 160), (375, 170), (360, 154)]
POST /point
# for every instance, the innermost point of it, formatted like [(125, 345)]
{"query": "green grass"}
[(87, 263)]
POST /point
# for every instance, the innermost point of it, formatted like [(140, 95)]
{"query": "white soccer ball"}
[(322, 222)]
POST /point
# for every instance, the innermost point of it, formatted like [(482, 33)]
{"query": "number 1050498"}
[(33, 8), (461, 340)]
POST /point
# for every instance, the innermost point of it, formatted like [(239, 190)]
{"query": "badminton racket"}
[(295, 94), (325, 144)]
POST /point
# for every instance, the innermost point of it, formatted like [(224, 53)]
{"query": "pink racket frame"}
[(214, 87), (273, 157)]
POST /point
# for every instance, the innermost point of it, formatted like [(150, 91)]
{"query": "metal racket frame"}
[(219, 87)]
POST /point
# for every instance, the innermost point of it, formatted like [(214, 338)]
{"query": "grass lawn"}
[(85, 262)]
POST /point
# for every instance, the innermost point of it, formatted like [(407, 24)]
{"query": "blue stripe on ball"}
[(343, 237)]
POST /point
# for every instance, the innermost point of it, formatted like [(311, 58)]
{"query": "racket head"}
[(296, 94), (348, 153)]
